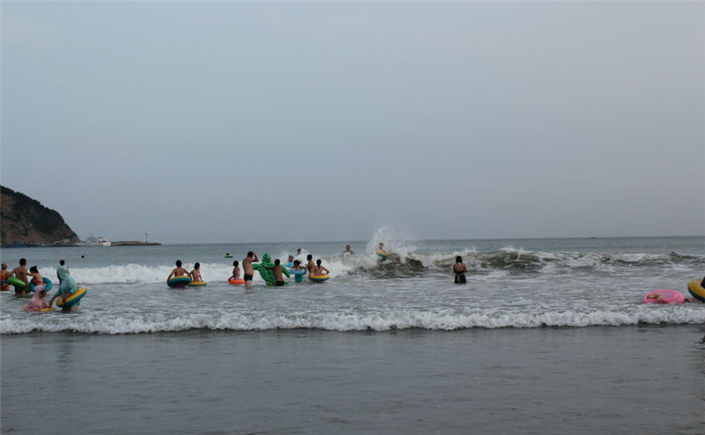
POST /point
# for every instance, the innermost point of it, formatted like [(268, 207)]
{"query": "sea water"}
[(548, 336)]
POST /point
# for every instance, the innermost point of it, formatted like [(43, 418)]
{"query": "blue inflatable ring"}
[(47, 283)]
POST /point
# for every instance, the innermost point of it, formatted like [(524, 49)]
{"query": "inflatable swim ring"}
[(17, 283), (72, 300), (667, 297), (383, 255), (319, 278), (179, 282), (228, 256), (43, 310), (695, 287), (47, 282), (197, 284), (233, 281), (298, 274)]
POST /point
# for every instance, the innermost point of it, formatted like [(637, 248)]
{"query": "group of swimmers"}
[(313, 269), (459, 268), (67, 285)]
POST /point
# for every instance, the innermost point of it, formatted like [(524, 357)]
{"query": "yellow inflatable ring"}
[(319, 278), (695, 287), (71, 299)]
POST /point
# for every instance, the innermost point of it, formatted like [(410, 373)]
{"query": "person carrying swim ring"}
[(67, 288), (460, 268)]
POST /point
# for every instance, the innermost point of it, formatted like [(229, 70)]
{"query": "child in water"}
[(236, 270), (38, 301), (298, 277)]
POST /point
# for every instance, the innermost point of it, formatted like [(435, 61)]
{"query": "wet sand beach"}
[(639, 379)]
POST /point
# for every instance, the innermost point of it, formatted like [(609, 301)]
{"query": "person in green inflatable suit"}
[(269, 270)]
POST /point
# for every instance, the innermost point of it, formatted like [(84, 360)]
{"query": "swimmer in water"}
[(178, 271), (380, 249), (318, 269), (459, 268), (20, 272), (298, 277), (236, 270), (278, 275), (196, 273)]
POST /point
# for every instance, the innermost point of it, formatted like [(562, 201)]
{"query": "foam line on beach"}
[(382, 321)]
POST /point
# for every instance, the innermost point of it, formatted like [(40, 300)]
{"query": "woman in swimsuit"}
[(318, 269), (196, 273), (459, 268)]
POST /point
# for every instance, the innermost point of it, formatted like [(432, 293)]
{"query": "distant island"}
[(26, 222)]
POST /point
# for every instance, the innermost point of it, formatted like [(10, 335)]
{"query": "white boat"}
[(95, 241)]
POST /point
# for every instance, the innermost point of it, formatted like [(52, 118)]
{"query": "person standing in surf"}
[(278, 274), (310, 265), (20, 272), (4, 275), (247, 268), (460, 268)]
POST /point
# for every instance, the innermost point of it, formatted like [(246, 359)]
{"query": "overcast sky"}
[(228, 122)]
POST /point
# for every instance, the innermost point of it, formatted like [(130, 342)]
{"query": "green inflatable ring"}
[(18, 283)]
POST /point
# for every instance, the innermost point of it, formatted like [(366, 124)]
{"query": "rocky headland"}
[(26, 222)]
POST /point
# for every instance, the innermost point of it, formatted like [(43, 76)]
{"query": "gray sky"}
[(227, 122)]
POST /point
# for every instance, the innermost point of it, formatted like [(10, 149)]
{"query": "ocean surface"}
[(548, 336)]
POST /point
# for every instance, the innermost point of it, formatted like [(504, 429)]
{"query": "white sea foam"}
[(382, 321)]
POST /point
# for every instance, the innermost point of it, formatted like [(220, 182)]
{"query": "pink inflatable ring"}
[(664, 297)]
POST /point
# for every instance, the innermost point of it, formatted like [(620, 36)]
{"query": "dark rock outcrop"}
[(26, 221)]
